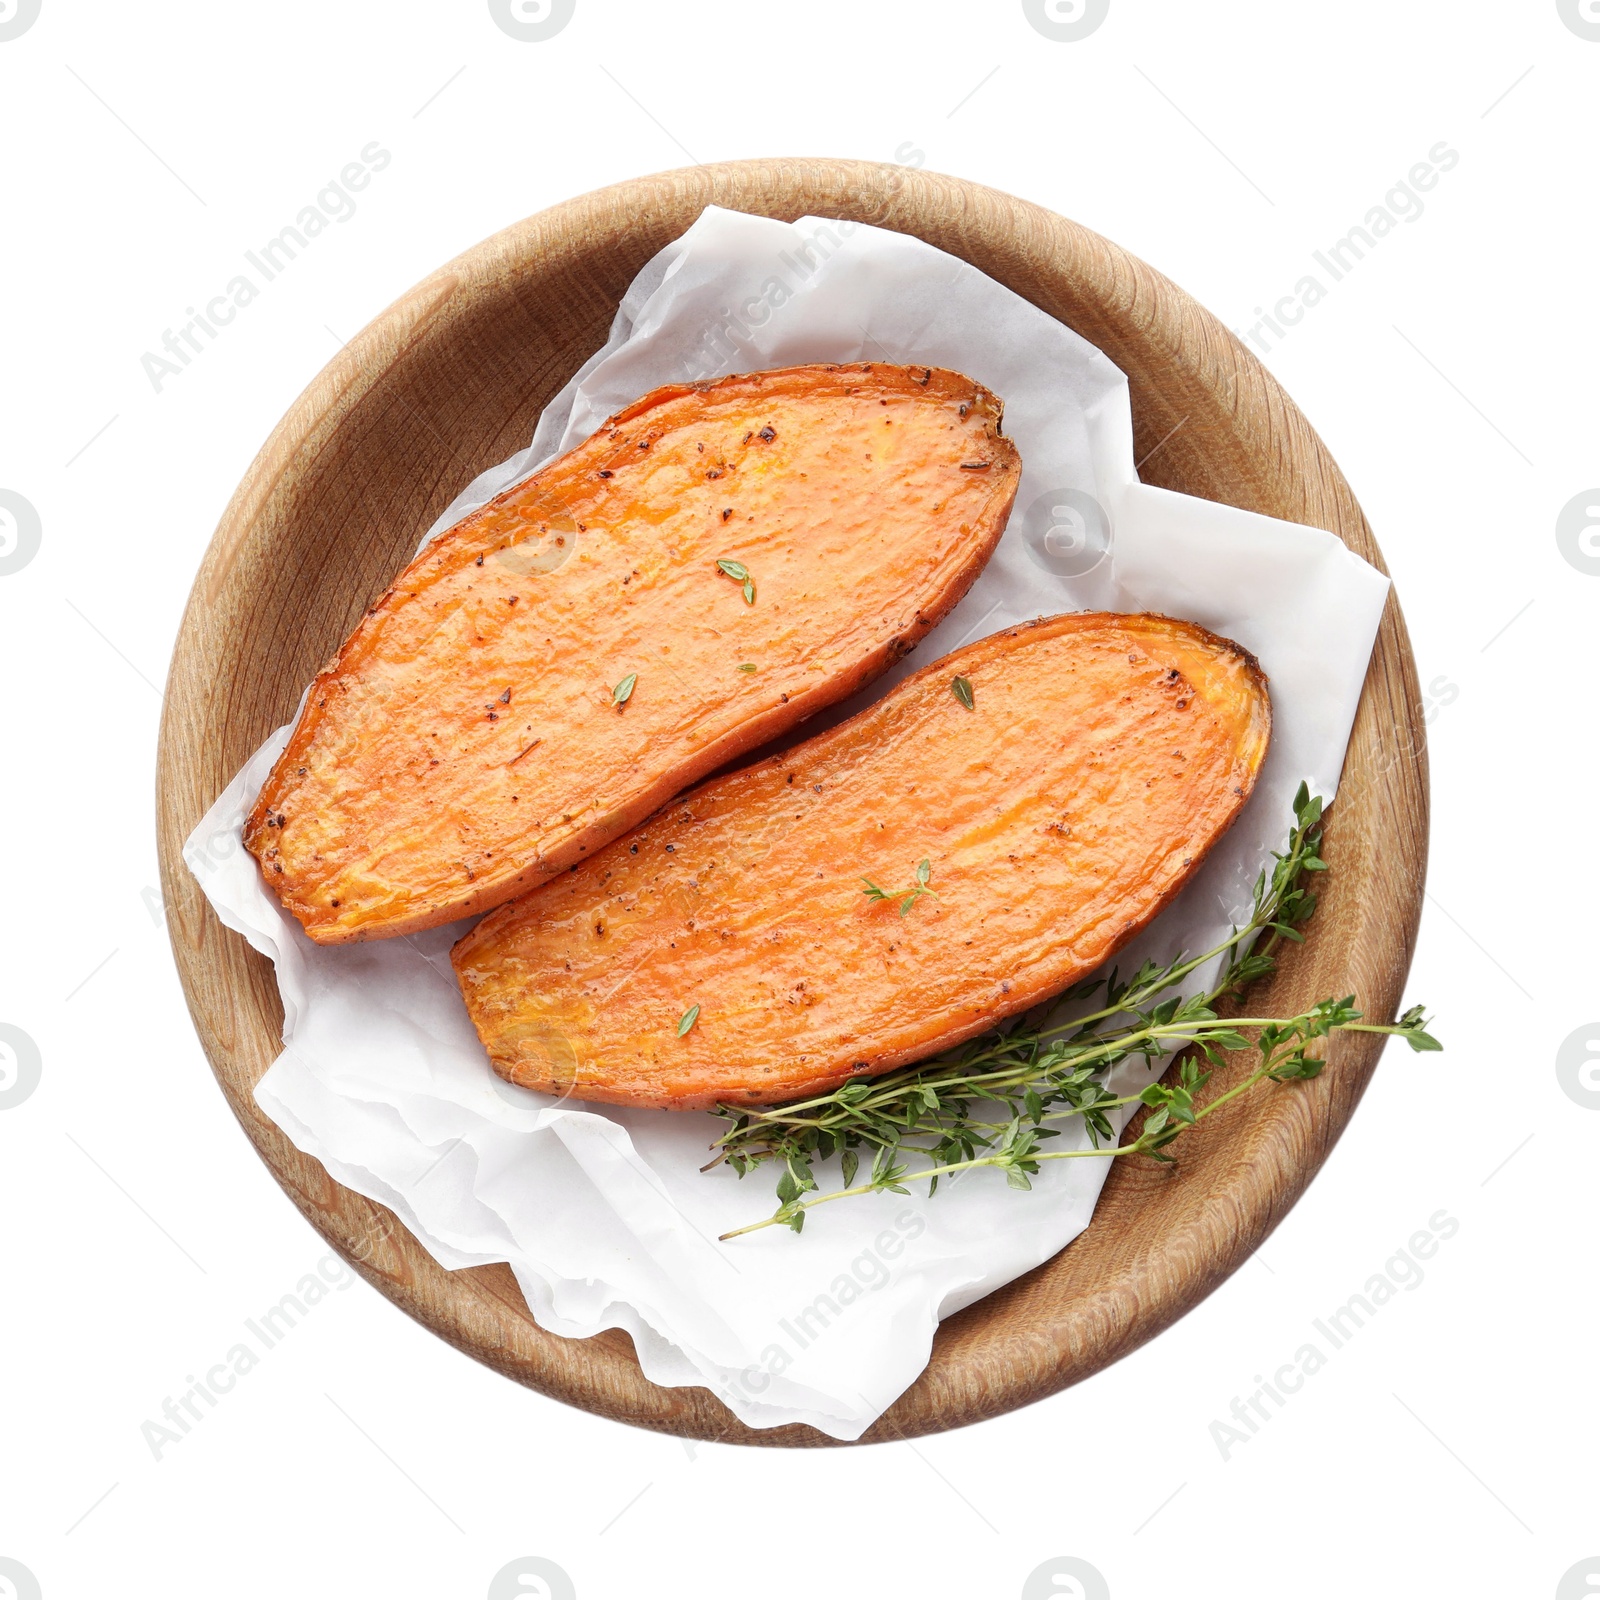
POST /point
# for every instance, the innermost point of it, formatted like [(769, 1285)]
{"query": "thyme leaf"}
[(688, 1020), (619, 695), (961, 688), (911, 895)]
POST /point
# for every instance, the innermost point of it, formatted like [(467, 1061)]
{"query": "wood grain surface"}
[(450, 380)]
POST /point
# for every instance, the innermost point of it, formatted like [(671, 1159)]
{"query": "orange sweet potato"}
[(1102, 758), (549, 671)]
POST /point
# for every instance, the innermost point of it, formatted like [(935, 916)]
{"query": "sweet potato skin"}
[(1103, 758), (464, 744)]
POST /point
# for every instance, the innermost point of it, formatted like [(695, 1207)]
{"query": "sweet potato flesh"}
[(549, 671), (1103, 757)]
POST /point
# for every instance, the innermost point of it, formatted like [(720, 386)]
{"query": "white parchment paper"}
[(602, 1213)]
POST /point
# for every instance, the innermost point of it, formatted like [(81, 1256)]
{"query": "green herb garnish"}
[(912, 895), (688, 1020), (740, 574), (619, 695), (989, 1103), (961, 688), (747, 666)]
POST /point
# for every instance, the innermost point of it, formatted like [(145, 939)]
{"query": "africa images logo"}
[(1578, 1066), (1578, 532), (532, 21), (20, 1066), (531, 1578), (20, 532), (1067, 532), (1066, 21), (16, 17), (1582, 17)]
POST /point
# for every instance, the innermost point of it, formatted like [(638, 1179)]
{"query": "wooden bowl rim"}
[(1004, 1351)]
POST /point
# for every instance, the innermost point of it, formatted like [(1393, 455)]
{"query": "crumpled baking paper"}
[(603, 1213)]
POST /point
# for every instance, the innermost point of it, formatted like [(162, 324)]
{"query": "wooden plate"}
[(450, 380)]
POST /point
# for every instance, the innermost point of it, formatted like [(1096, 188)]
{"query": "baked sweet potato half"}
[(710, 567), (1100, 759)]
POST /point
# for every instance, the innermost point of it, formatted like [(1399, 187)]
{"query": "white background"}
[(1448, 1447)]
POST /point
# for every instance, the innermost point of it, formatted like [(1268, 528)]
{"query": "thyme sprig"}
[(911, 895), (993, 1101)]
